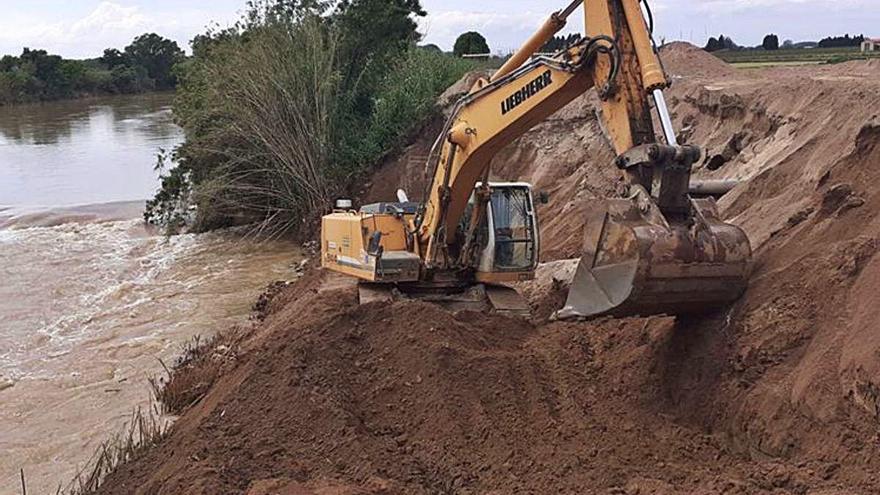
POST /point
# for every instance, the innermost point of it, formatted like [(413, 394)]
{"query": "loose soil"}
[(778, 394)]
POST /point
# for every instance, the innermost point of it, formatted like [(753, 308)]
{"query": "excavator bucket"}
[(637, 263)]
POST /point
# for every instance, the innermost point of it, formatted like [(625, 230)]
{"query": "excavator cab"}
[(507, 238)]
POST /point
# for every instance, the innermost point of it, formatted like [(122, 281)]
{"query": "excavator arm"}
[(616, 57), (656, 250)]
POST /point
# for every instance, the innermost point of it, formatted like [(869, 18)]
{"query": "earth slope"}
[(778, 394)]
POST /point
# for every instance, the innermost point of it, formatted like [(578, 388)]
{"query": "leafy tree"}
[(712, 45), (260, 13), (470, 43), (157, 55), (46, 79), (8, 62), (112, 58), (560, 42), (45, 67), (126, 79), (373, 35), (373, 32), (788, 44), (721, 43), (771, 42), (727, 43), (77, 75), (200, 44)]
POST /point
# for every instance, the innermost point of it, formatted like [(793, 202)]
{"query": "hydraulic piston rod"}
[(665, 119)]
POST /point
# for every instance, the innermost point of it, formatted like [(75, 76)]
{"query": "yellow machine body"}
[(376, 242), (345, 246), (653, 250)]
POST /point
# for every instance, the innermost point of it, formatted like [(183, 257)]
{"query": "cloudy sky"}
[(83, 28)]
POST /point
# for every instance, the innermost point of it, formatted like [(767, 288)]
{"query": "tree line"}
[(146, 64), (474, 43), (560, 42), (841, 41), (771, 42)]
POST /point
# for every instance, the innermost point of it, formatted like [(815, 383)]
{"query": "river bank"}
[(84, 95), (775, 395)]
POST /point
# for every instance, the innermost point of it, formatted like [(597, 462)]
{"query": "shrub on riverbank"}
[(283, 111)]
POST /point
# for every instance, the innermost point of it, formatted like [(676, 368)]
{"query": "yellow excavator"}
[(654, 250)]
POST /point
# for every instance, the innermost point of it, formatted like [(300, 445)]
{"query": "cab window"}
[(514, 231)]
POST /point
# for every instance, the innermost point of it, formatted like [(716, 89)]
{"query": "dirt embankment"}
[(779, 394)]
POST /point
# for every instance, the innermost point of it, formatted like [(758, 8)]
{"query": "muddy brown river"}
[(90, 299)]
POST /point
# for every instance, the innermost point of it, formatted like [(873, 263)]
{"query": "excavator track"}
[(480, 297)]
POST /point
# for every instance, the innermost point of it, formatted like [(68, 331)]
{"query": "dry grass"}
[(282, 84), (200, 364), (144, 430)]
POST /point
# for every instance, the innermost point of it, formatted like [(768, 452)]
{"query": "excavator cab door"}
[(508, 234)]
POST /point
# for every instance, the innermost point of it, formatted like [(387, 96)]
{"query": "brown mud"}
[(778, 394)]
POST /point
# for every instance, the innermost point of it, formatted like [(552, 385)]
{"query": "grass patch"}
[(201, 363), (788, 57), (762, 65)]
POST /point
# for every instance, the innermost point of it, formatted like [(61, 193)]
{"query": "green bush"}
[(257, 112), (470, 43), (283, 112), (406, 98)]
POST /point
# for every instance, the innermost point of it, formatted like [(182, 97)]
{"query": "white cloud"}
[(109, 24), (110, 17), (731, 6)]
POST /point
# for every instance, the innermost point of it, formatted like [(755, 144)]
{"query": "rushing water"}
[(90, 299)]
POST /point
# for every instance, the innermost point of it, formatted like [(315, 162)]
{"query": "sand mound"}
[(408, 398), (681, 59), (778, 394)]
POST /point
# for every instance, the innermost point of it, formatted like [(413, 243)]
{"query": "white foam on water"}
[(91, 307)]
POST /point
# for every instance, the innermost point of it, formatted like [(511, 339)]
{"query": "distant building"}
[(870, 45)]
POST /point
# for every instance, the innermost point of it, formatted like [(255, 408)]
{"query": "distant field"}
[(761, 58)]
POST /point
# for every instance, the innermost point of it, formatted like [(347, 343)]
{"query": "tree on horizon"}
[(470, 43)]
